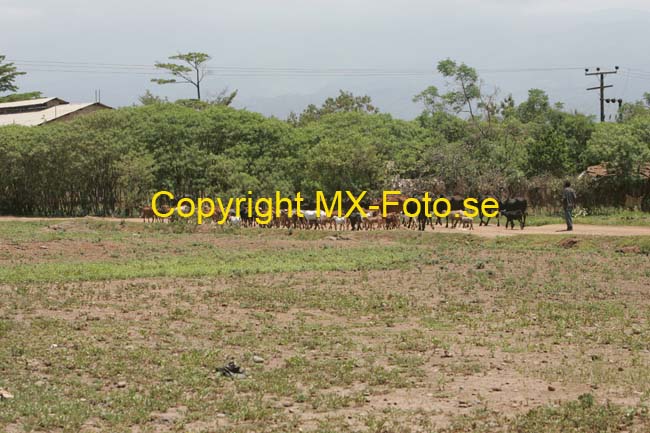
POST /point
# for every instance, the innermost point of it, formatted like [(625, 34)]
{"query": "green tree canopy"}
[(535, 107), (345, 102), (430, 98), (621, 146), (150, 99)]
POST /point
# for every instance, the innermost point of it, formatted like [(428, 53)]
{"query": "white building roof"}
[(27, 102), (34, 118)]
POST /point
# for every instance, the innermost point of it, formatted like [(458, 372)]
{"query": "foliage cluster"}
[(110, 162)]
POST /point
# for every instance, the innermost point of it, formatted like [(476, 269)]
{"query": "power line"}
[(243, 74), (68, 63), (571, 68), (95, 67), (291, 72), (627, 81), (636, 70), (93, 71), (637, 75)]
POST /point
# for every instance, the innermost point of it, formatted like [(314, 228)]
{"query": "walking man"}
[(568, 203)]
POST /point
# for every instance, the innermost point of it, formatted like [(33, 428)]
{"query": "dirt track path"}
[(560, 229), (490, 231)]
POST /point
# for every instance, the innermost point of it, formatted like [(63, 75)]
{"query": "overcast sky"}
[(320, 35)]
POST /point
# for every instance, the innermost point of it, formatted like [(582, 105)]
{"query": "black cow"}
[(515, 209), (247, 221), (412, 208), (483, 219), (423, 219), (440, 208), (355, 220), (515, 215)]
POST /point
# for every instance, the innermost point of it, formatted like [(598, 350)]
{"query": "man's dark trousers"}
[(568, 217)]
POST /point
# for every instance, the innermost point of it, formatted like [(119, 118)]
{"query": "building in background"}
[(35, 112)]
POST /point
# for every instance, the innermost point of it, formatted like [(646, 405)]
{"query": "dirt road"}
[(491, 231), (560, 229)]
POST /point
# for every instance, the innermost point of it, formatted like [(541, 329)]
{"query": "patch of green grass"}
[(616, 217), (583, 415), (235, 263), (52, 230)]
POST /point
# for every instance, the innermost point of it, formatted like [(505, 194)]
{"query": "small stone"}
[(5, 395), (568, 335), (636, 330), (258, 359), (551, 388), (221, 415), (287, 404), (121, 384), (496, 389)]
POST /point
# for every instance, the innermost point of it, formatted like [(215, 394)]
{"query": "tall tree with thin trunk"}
[(464, 89), (192, 71)]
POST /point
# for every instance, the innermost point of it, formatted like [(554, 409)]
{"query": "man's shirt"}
[(569, 198)]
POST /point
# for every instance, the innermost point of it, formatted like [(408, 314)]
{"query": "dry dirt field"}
[(120, 327)]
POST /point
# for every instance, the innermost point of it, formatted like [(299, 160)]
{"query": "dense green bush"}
[(111, 162)]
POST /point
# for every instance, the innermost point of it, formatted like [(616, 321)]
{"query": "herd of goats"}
[(454, 215)]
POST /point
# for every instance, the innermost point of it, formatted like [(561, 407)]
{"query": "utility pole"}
[(602, 87)]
